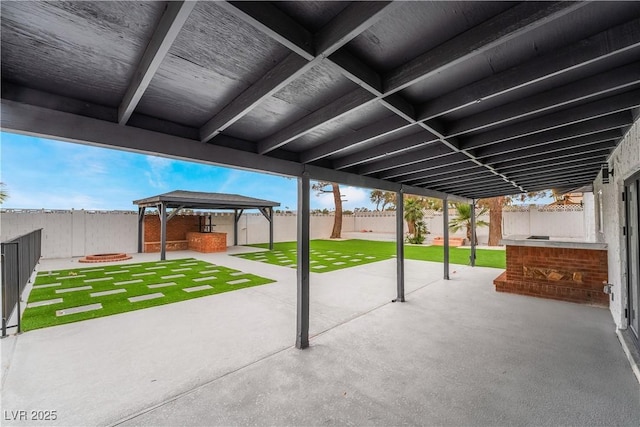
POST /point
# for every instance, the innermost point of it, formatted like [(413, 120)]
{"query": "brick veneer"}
[(207, 242), (178, 230), (567, 274)]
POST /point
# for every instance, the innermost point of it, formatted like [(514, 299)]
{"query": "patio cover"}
[(180, 199), (458, 100)]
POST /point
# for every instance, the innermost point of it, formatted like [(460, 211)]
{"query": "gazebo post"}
[(302, 324), (445, 233), (270, 218), (163, 231), (141, 229), (235, 227), (472, 257), (400, 245)]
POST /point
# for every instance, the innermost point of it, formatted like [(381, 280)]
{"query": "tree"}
[(413, 212), (3, 193), (463, 219), (321, 188), (377, 197)]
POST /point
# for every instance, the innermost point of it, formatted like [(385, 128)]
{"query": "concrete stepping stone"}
[(103, 293), (313, 262), (355, 259), (345, 256), (329, 259), (49, 285), (143, 274), (285, 261), (359, 254), (339, 263), (81, 309), (209, 271), (52, 273), (79, 288), (71, 277), (134, 266), (237, 273), (188, 264), (202, 279), (100, 279), (92, 270), (128, 282), (173, 276), (161, 285), (318, 267), (370, 257), (197, 288), (146, 297), (181, 269), (42, 303), (155, 268), (116, 272), (165, 262), (237, 282), (321, 255)]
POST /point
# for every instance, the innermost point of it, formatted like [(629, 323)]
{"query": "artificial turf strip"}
[(379, 250), (135, 286)]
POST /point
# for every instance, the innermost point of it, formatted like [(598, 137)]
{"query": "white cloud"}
[(158, 168)]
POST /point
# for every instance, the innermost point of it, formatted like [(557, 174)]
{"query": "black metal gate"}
[(19, 259)]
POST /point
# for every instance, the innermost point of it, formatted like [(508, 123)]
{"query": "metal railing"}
[(19, 258)]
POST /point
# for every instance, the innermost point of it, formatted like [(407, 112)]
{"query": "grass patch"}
[(112, 286), (327, 252)]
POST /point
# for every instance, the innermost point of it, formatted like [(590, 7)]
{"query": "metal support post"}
[(302, 329), (472, 257), (400, 245), (163, 231), (141, 229), (270, 210), (445, 219)]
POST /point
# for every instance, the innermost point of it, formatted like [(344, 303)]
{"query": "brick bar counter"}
[(207, 242), (568, 271)]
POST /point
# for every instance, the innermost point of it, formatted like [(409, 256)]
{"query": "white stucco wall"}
[(625, 162)]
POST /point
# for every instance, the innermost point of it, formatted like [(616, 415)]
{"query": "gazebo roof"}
[(202, 200)]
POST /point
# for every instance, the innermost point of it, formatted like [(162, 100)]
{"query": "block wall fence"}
[(72, 233)]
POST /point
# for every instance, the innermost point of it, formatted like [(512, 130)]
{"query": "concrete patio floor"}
[(456, 353)]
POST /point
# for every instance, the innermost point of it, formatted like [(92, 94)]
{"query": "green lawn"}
[(107, 290), (330, 255)]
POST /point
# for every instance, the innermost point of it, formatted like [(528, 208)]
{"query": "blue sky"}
[(40, 173)]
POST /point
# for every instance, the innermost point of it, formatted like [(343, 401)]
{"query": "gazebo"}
[(180, 199)]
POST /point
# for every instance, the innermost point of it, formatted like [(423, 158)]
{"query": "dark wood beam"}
[(564, 158), (477, 171), (592, 110), (484, 185), (349, 23), (555, 177), (391, 148), (163, 37), (425, 165), (554, 99), (289, 69), (362, 136), (274, 23), (459, 168), (601, 47), (553, 169), (428, 152), (332, 111), (576, 135), (512, 23)]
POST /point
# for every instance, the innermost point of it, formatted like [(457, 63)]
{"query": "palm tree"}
[(413, 212), (463, 219), (3, 193), (377, 197)]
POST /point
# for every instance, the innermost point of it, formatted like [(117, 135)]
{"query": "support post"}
[(270, 228), (400, 245), (141, 229), (235, 227), (302, 329), (163, 231), (445, 219), (472, 257)]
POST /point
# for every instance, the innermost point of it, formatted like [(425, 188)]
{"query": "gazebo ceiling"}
[(474, 99)]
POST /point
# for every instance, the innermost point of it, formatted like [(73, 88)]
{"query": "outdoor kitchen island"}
[(566, 270)]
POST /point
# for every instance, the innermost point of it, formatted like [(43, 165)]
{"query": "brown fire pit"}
[(105, 257)]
